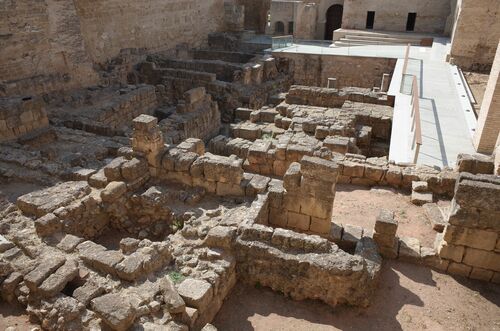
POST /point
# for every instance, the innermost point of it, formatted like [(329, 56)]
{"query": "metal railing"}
[(407, 58), (416, 129), (282, 42)]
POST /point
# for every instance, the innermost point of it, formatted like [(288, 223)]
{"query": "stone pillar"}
[(488, 125), (384, 234), (147, 139)]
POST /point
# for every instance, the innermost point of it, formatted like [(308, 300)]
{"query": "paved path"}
[(446, 126)]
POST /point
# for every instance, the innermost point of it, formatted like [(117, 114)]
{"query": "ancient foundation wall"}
[(42, 48), (314, 70), (21, 116), (476, 34), (391, 15), (471, 241), (160, 25)]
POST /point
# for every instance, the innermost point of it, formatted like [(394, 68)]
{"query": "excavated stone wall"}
[(471, 241), (314, 70), (21, 116)]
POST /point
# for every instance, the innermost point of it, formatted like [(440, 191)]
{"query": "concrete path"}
[(447, 120)]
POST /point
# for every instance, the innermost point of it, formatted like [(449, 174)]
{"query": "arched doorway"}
[(333, 20), (279, 28)]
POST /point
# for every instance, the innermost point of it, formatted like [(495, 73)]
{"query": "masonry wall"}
[(41, 47), (53, 44), (314, 70), (391, 15), (476, 34), (471, 239), (255, 14), (108, 26)]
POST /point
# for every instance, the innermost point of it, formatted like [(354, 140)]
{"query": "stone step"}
[(436, 216), (420, 199), (388, 38)]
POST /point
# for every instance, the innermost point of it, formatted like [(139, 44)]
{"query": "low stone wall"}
[(111, 112), (471, 241), (197, 116), (314, 70), (305, 201), (21, 116), (333, 97)]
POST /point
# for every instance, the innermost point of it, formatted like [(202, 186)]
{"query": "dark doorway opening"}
[(290, 27), (333, 20), (370, 19), (410, 22), (279, 28)]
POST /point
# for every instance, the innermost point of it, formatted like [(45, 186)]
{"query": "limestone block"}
[(394, 176), (116, 311), (409, 249), (318, 168), (386, 223), (229, 189), (459, 269), (257, 153), (476, 238), (5, 244), (481, 274), (421, 199), (42, 202), (184, 160), (69, 242), (194, 145), (8, 287), (48, 225), (316, 207), (420, 186), (113, 191), (291, 202), (435, 216), (294, 152), (451, 252), (134, 169), (44, 269), (194, 95), (353, 169), (292, 177), (56, 282), (257, 185), (112, 170), (277, 217), (482, 259), (336, 231), (144, 122), (96, 256), (196, 293), (98, 180), (479, 191), (320, 225), (374, 173), (220, 236), (351, 235), (87, 292), (320, 189), (129, 245), (298, 221)]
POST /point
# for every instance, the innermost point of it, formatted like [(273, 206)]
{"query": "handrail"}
[(416, 124), (407, 56)]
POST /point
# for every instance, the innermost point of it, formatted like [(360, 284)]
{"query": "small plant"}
[(258, 285), (266, 136), (177, 224), (176, 277)]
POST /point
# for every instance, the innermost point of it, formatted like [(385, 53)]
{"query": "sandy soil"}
[(360, 206), (14, 316), (477, 83), (410, 297)]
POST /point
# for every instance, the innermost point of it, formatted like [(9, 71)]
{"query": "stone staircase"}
[(345, 38)]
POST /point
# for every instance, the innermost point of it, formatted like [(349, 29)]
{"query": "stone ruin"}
[(141, 203)]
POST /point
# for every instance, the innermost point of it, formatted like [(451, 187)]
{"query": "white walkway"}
[(447, 126)]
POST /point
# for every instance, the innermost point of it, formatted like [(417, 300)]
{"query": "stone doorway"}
[(333, 20)]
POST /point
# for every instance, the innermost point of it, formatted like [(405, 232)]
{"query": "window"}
[(290, 27), (279, 28), (410, 22), (370, 19)]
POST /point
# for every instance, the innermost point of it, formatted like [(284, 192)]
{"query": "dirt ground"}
[(409, 297), (477, 83), (357, 205), (14, 316)]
